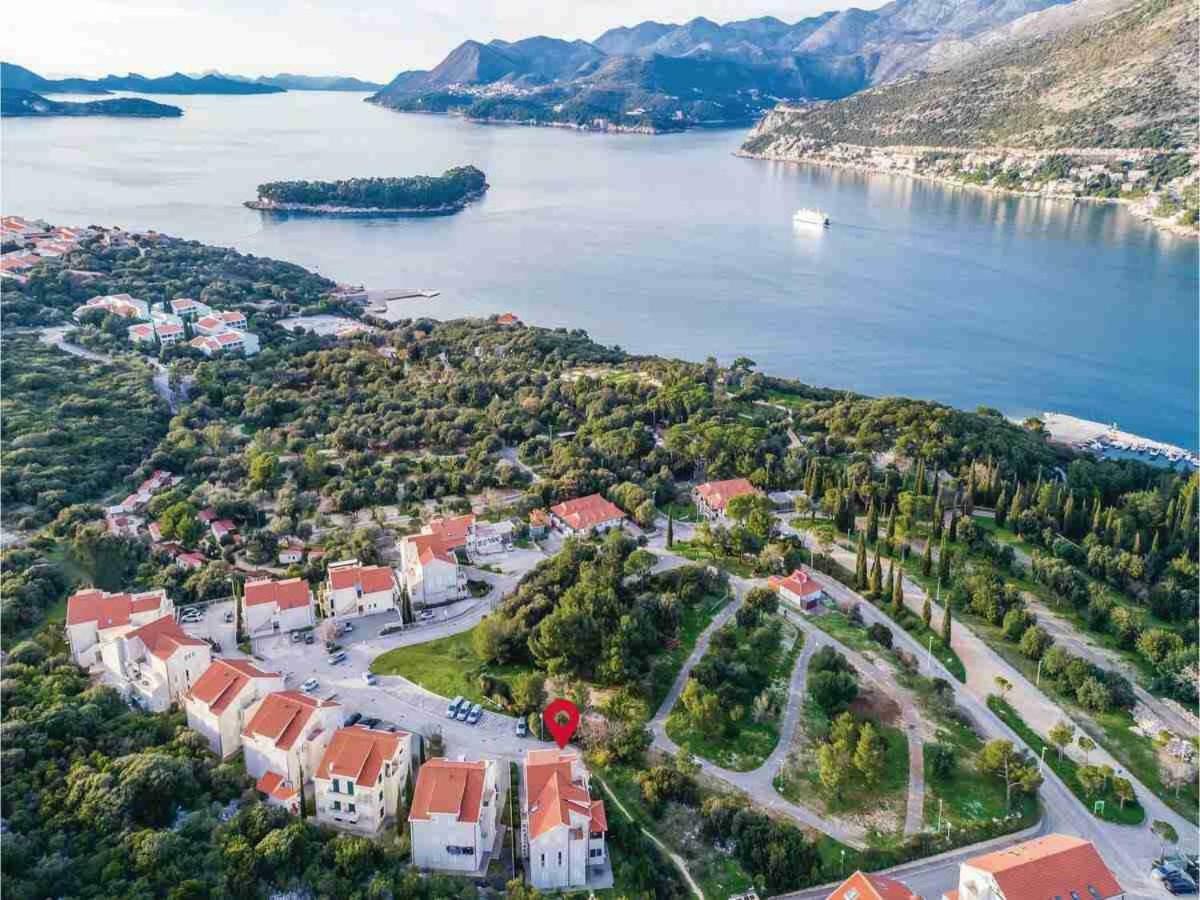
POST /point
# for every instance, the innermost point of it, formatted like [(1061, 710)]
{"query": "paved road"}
[(57, 337)]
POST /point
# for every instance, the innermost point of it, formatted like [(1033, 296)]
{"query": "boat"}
[(806, 216)]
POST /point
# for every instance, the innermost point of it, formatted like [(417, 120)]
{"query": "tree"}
[(1123, 789), (952, 534), (1003, 685), (889, 582), (872, 522), (178, 522), (670, 529), (1062, 734), (869, 755), (1035, 642), (1087, 745), (927, 611), (898, 593), (1094, 695), (999, 758), (860, 563), (831, 769), (946, 624), (703, 707), (529, 693), (1166, 833), (875, 581), (1091, 779), (639, 563), (927, 559), (943, 760), (263, 467), (832, 691), (943, 561)]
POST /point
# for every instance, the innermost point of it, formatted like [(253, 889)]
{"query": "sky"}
[(372, 40)]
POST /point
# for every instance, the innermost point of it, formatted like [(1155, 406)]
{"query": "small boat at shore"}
[(806, 216)]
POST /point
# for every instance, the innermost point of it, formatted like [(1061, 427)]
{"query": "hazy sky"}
[(371, 40)]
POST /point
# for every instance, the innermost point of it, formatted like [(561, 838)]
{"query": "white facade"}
[(455, 814), (94, 617), (287, 732), (562, 828), (353, 590), (361, 778), (277, 606), (155, 664), (431, 577), (217, 703)]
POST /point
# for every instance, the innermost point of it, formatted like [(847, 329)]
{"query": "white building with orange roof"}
[(169, 333), (185, 308), (586, 515), (454, 820), (562, 828), (155, 664), (361, 777), (226, 341), (117, 304), (217, 703), (1054, 865), (352, 589), (270, 606), (430, 569), (864, 886), (284, 738), (799, 589), (712, 497), (95, 616), (141, 333)]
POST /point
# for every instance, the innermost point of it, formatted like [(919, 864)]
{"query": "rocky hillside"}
[(1106, 108)]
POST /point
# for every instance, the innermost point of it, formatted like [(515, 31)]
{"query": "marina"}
[(1111, 442)]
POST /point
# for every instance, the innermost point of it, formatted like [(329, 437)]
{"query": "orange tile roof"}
[(1049, 866), (223, 682), (718, 493), (163, 637), (371, 578), (587, 512), (282, 716), (507, 319), (872, 887), (359, 752), (108, 610), (291, 593), (552, 795), (539, 517), (449, 786), (799, 583), (273, 785), (453, 532), (430, 547)]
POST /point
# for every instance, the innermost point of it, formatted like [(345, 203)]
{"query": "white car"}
[(310, 685)]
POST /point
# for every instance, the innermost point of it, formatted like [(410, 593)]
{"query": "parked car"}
[(310, 685), (351, 719), (371, 722), (347, 627), (189, 611), (522, 728), (369, 679), (1184, 862), (463, 712), (229, 616), (309, 639), (426, 615), (335, 658), (475, 715), (1173, 879), (452, 707), (297, 637)]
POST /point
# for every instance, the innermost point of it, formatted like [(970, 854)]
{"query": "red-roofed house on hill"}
[(799, 589), (156, 663), (361, 778), (95, 617), (269, 606), (1054, 865), (861, 886), (431, 572), (352, 589), (586, 515), (454, 815), (284, 738), (562, 828), (217, 703), (712, 497)]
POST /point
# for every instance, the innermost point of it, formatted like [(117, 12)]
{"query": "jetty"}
[(1109, 440)]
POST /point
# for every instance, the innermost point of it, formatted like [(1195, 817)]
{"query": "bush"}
[(880, 634)]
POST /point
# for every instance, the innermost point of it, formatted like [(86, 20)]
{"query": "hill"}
[(16, 103), (1098, 104), (14, 76)]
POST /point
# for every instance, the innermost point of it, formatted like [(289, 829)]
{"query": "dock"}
[(1109, 440)]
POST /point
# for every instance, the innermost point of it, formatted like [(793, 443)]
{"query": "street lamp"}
[(929, 655), (843, 862), (939, 824), (1042, 763), (1038, 682)]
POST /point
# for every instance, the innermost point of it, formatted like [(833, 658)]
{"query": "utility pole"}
[(939, 824), (1038, 682), (929, 655)]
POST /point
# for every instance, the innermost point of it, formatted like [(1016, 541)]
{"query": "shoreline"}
[(360, 212), (1108, 441)]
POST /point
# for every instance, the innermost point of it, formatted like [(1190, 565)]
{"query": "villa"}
[(712, 497), (562, 828), (217, 703), (352, 589), (454, 821), (361, 778), (269, 606), (586, 515)]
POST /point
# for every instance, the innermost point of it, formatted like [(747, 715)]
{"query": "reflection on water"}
[(673, 245)]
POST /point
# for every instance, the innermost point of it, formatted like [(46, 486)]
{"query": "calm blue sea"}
[(673, 245)]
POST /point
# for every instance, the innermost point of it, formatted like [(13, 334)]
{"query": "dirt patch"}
[(874, 704)]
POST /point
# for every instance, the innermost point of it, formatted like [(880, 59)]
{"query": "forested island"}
[(417, 195), (27, 104)]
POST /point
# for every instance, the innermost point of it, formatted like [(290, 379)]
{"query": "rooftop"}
[(359, 752), (282, 717), (223, 681), (718, 493), (1056, 865), (109, 610), (163, 637), (449, 787), (292, 593), (587, 512)]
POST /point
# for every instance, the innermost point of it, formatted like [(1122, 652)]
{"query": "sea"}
[(674, 245)]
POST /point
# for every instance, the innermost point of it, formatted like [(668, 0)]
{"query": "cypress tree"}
[(1154, 551), (1170, 522), (1137, 543), (860, 563), (888, 584), (1189, 512), (1002, 507), (953, 527), (927, 611), (943, 561), (670, 530), (1119, 534), (969, 496), (927, 560), (891, 525), (1097, 521), (946, 624), (898, 593), (939, 517), (872, 522), (919, 479), (1068, 516), (873, 583), (1014, 509)]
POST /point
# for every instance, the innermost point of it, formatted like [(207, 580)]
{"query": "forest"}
[(452, 189)]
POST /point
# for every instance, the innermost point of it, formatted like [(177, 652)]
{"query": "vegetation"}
[(452, 189)]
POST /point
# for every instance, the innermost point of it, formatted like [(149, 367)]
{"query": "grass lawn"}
[(681, 510), (447, 667), (1066, 769), (692, 622), (702, 554), (747, 745)]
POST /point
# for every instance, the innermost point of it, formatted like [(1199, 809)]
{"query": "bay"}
[(673, 245)]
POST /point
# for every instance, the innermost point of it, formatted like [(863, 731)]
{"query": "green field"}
[(702, 554), (692, 623)]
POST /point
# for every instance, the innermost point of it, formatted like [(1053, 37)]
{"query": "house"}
[(712, 497), (861, 886), (799, 589), (124, 526), (189, 560), (155, 532), (269, 606), (562, 828), (169, 333), (284, 738), (156, 663), (95, 616), (117, 304), (454, 820), (291, 550), (222, 528), (208, 515), (586, 515), (1054, 865), (361, 778), (234, 320), (539, 523), (211, 324), (507, 319), (186, 308), (431, 571), (141, 333), (226, 340), (217, 703), (352, 589)]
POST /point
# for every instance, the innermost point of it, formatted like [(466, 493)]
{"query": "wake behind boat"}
[(806, 216)]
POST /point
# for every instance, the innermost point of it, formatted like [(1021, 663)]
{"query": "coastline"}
[(1109, 441), (361, 212)]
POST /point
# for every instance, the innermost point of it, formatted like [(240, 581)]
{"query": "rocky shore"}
[(361, 212)]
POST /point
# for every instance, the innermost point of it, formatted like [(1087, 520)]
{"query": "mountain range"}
[(289, 81), (658, 76), (14, 77)]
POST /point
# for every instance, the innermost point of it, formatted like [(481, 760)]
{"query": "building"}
[(95, 616), (121, 305), (352, 589), (221, 529), (140, 333), (210, 345), (539, 523), (124, 526), (454, 821), (217, 703), (431, 571), (169, 333), (1055, 865), (155, 664), (586, 515), (234, 320), (210, 324), (861, 886), (269, 606), (361, 778), (712, 497), (508, 319), (799, 589), (291, 550), (284, 738), (186, 308), (562, 828)]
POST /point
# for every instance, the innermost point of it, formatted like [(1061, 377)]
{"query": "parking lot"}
[(212, 626)]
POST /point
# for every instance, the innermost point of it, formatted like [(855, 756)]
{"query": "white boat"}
[(805, 216)]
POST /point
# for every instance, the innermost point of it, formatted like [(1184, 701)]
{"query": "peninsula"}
[(419, 195), (18, 103)]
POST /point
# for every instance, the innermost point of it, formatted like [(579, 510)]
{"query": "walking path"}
[(678, 860)]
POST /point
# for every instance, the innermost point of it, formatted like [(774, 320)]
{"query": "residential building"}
[(141, 333), (169, 333), (352, 589), (562, 828), (712, 497), (799, 589), (284, 738), (269, 606), (117, 304), (233, 319), (291, 550), (95, 616), (1054, 865), (508, 319), (431, 571), (221, 529), (124, 526), (454, 820), (186, 308), (210, 324), (361, 777), (217, 703), (586, 515), (539, 523), (862, 886), (156, 663), (209, 345)]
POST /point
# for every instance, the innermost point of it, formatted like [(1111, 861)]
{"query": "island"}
[(18, 103), (418, 195)]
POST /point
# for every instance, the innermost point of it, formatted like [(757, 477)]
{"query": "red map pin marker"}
[(552, 714)]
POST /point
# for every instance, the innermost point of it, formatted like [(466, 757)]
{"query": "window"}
[(350, 807), (350, 788), (560, 857), (336, 789), (594, 853), (337, 805), (543, 859), (456, 850)]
